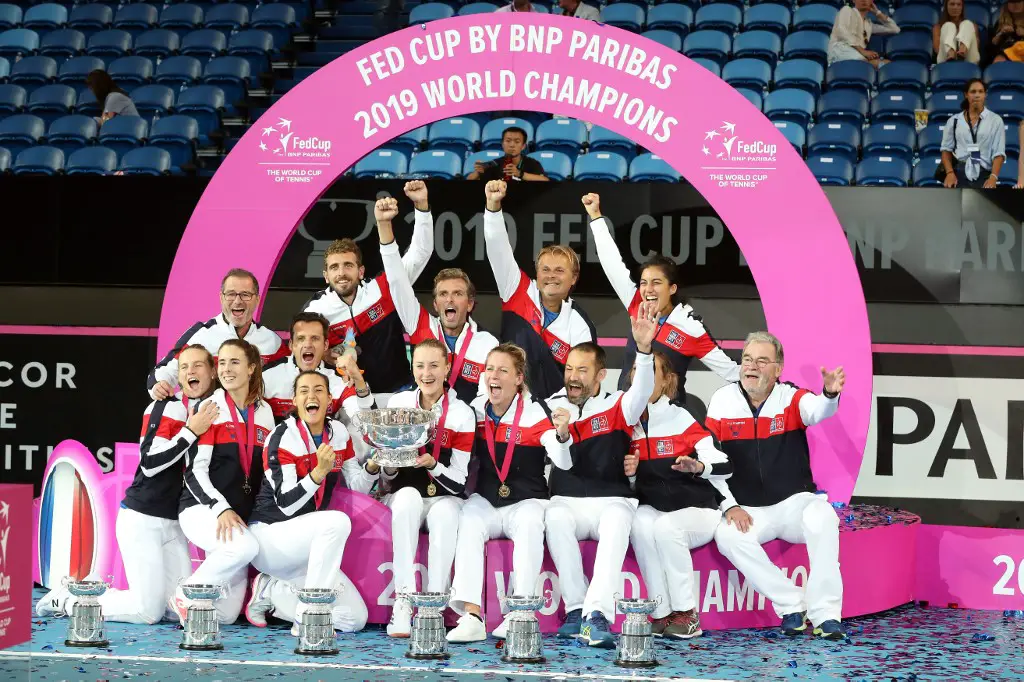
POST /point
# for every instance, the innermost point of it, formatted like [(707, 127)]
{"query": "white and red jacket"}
[(165, 449), (279, 385)]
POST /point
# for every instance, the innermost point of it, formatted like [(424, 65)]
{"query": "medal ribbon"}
[(246, 437), (438, 433), (318, 496), (506, 465), (460, 358)]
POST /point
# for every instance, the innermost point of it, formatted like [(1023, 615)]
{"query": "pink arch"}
[(784, 225)]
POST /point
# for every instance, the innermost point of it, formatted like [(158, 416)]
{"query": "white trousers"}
[(155, 555), (662, 542), (950, 38), (226, 563), (306, 551), (804, 518), (440, 515), (568, 520), (522, 523)]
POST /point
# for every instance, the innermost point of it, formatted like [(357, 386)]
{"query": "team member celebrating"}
[(537, 315), (681, 333), (592, 499), (761, 424), (678, 502), (366, 308), (515, 435), (301, 541), (431, 493), (153, 549), (222, 480), (454, 299), (239, 296)]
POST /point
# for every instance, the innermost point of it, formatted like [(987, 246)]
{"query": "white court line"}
[(553, 674)]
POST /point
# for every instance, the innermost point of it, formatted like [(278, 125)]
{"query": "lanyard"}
[(318, 496), (972, 129), (246, 437), (460, 358), (506, 465)]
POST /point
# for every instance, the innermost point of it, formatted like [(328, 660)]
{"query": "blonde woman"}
[(955, 38)]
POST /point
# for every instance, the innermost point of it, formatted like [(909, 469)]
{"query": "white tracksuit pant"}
[(226, 563), (568, 520), (155, 555), (662, 542), (410, 511), (306, 551), (801, 518), (522, 523)]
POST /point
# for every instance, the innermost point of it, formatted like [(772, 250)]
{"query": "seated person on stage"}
[(592, 499), (431, 493), (512, 166), (301, 541), (454, 298), (240, 296), (760, 424), (537, 315), (675, 469), (515, 436), (681, 333), (367, 308), (153, 549)]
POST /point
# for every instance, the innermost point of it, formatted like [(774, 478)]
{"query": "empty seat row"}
[(47, 160), (885, 170), (112, 43)]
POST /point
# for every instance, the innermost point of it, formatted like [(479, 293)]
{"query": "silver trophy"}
[(636, 644), (316, 626), (396, 434), (85, 627), (522, 638), (202, 627), (427, 638)]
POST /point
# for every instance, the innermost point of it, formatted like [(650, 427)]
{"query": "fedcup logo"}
[(5, 533), (737, 161), (290, 156)]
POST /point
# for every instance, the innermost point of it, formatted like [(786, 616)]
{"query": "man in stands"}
[(512, 166), (517, 6), (240, 296), (367, 308), (579, 10), (760, 423)]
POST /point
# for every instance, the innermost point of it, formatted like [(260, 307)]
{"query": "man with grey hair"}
[(760, 423)]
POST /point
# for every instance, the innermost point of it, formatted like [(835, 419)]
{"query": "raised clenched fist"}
[(385, 210)]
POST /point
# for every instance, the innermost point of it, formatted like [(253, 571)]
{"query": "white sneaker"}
[(500, 631), (259, 601), (179, 604), (57, 602), (469, 629), (401, 619)]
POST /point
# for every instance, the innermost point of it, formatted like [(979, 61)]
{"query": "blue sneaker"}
[(570, 628), (597, 632), (794, 623), (831, 629)]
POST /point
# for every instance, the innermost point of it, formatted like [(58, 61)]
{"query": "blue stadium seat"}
[(62, 44), (851, 74), (75, 70), (790, 105), (648, 167), (747, 73), (929, 140), (90, 161), (430, 11), (768, 17), (228, 17), (146, 161), (815, 17), (485, 156), (763, 45), (5, 160), (924, 171), (835, 138), (942, 105), (803, 74), (90, 18), (160, 43), (1008, 175), (382, 163), (890, 139), (109, 44), (981, 17), (916, 18), (709, 64), (204, 43), (87, 104), (912, 46), (600, 166), (623, 15), (604, 140), (10, 16), (476, 8), (131, 72), (458, 135), (556, 165), (179, 71), (886, 171), (1005, 76), (181, 18), (753, 96), (843, 105), (18, 42), (123, 133), (718, 16), (895, 105), (669, 39), (45, 17), (50, 102), (136, 18), (953, 75), (72, 132), (40, 160), (230, 74), (490, 138), (153, 100), (906, 75), (712, 45), (255, 46), (278, 19), (795, 133), (20, 132), (436, 163), (564, 135), (831, 170), (806, 45), (1008, 104), (670, 16), (204, 103), (1012, 140), (412, 141), (32, 71), (178, 135)]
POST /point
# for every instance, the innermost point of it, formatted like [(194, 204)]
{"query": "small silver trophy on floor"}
[(522, 639), (85, 627), (316, 625), (202, 626), (427, 639), (636, 644), (396, 433)]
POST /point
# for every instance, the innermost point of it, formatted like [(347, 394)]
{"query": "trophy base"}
[(98, 643), (201, 647), (636, 664), (443, 656), (530, 659), (316, 652)]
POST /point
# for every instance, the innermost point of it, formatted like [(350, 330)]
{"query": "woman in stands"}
[(516, 435), (301, 541), (153, 549), (431, 493), (222, 480), (1008, 39), (955, 38), (113, 100), (681, 334), (973, 142), (852, 31), (675, 469)]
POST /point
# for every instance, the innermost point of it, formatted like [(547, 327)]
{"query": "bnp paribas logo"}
[(280, 140)]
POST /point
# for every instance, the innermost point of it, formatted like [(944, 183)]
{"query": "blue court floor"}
[(909, 643)]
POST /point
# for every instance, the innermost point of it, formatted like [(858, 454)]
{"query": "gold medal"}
[(504, 491), (431, 489)]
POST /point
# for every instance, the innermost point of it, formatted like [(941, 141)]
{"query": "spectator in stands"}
[(853, 29), (1009, 36), (114, 100), (579, 10), (1020, 161), (517, 6), (388, 15), (512, 166), (973, 142), (955, 37)]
